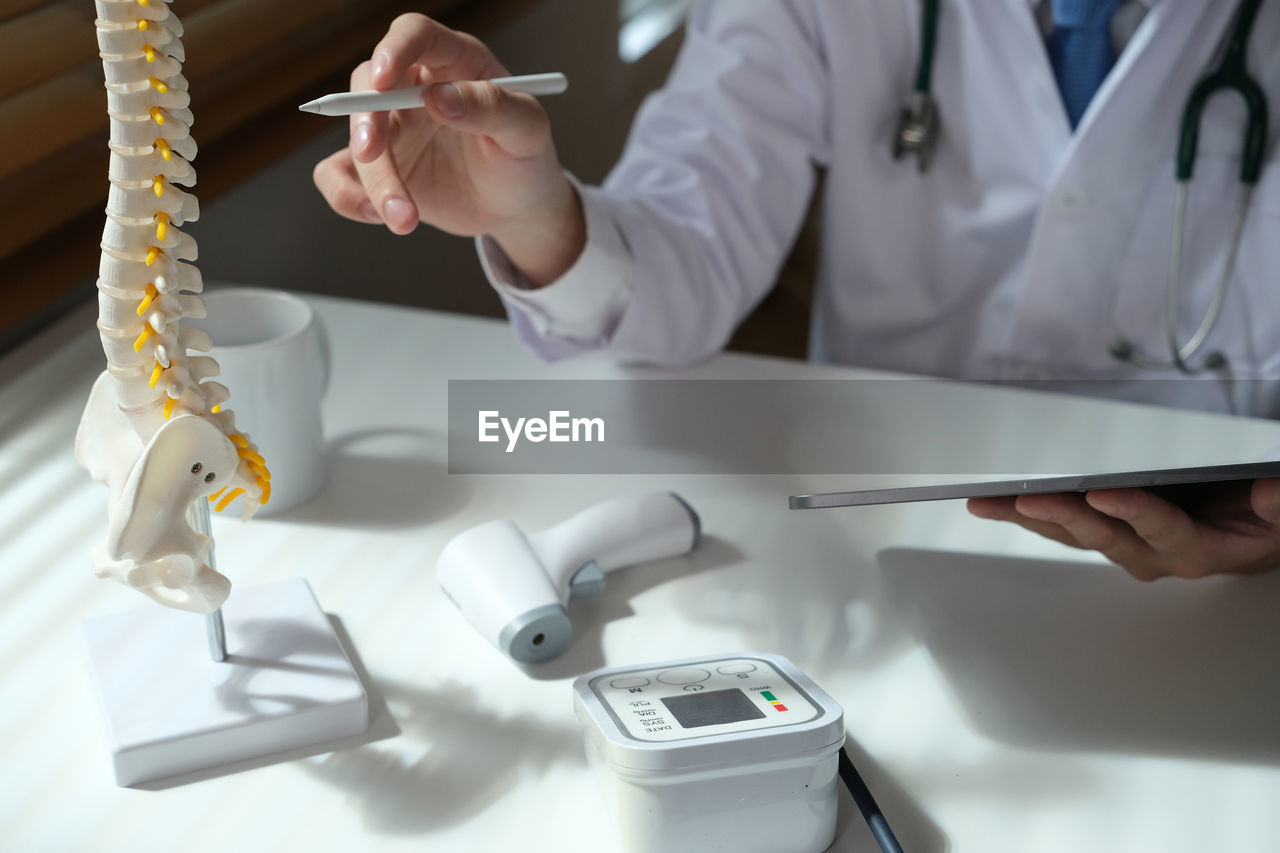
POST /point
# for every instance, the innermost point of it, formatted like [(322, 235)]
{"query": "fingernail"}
[(381, 63), (448, 99), (397, 212), (360, 136), (369, 212)]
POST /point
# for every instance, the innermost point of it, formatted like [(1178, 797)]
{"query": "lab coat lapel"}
[(1094, 197)]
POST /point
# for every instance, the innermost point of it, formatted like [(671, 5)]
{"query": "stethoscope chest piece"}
[(917, 131)]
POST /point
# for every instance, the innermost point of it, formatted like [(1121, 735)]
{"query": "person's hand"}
[(1206, 529), (475, 160)]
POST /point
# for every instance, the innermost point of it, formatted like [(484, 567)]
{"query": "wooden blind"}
[(249, 62)]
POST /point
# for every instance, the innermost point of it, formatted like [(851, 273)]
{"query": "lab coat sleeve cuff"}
[(580, 310)]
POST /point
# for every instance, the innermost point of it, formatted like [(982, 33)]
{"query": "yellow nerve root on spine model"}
[(154, 428)]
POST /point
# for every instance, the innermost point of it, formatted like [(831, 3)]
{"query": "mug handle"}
[(326, 351)]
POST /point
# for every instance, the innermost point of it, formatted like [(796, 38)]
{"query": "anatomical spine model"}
[(154, 430)]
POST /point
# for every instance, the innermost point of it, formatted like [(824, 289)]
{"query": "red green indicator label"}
[(773, 700)]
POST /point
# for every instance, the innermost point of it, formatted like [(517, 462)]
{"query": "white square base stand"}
[(170, 709)]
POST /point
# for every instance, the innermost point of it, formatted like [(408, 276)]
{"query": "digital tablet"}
[(1155, 479)]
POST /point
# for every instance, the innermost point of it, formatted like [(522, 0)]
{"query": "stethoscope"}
[(918, 128)]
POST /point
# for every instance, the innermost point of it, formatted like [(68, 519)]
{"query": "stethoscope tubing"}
[(1230, 75), (1182, 353)]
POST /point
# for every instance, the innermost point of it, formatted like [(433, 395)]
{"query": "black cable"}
[(867, 805)]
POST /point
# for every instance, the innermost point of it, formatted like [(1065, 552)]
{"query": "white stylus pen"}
[(346, 103)]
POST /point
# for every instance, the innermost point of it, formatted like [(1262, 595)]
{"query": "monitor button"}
[(736, 668), (684, 675)]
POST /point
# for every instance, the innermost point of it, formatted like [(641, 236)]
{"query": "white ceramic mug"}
[(274, 360)]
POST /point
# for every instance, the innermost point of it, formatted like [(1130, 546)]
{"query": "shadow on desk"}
[(382, 725), (383, 479), (432, 757), (1074, 656), (456, 758)]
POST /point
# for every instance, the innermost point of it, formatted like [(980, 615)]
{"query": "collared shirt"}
[(1124, 23)]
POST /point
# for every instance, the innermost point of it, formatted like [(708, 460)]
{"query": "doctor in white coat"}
[(1038, 237)]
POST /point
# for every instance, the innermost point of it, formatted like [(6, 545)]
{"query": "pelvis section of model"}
[(154, 429)]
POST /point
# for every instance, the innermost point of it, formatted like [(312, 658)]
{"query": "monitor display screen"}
[(712, 707)]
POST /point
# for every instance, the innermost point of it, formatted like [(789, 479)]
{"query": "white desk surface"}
[(1001, 692)]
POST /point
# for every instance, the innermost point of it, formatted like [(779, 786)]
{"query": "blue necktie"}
[(1080, 50)]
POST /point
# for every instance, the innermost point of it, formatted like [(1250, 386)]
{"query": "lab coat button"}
[(1071, 199)]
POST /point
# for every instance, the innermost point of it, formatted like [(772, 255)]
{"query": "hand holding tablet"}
[(1183, 522)]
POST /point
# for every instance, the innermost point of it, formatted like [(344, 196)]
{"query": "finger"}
[(447, 54), (996, 509), (1094, 530), (1264, 499), (516, 123), (371, 133), (1002, 509), (335, 176), (385, 188), (1177, 541), (368, 130), (375, 166), (1190, 545), (1162, 525)]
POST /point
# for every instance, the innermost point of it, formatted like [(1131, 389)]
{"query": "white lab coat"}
[(1019, 256)]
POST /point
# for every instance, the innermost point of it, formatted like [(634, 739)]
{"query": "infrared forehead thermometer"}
[(513, 588)]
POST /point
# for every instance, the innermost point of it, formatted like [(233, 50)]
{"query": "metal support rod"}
[(199, 518), (217, 636)]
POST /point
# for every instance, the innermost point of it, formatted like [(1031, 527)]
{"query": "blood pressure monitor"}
[(735, 752)]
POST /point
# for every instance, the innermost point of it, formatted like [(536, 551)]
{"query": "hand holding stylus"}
[(476, 158)]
